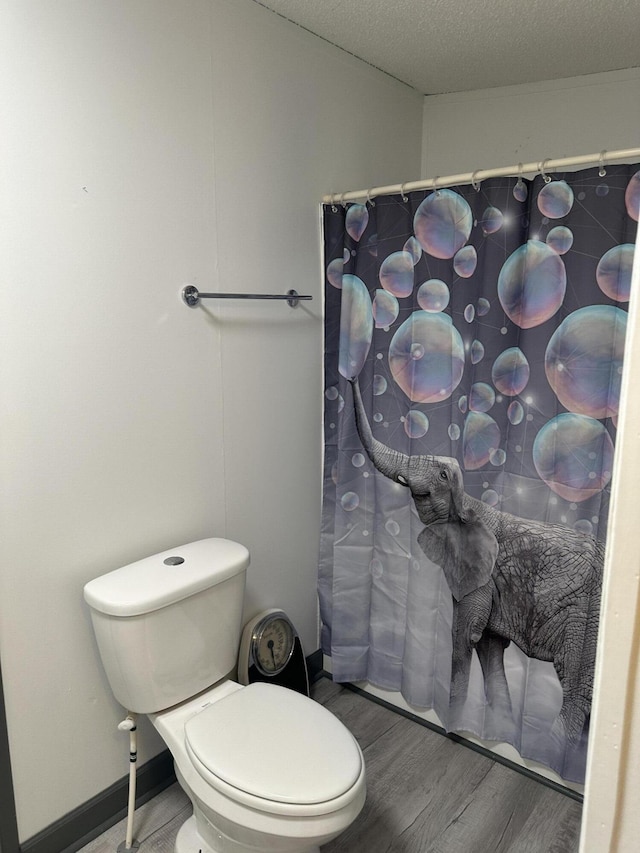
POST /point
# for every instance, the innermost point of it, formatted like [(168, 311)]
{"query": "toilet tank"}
[(168, 626)]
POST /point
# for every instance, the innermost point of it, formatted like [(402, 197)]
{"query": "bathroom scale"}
[(271, 651)]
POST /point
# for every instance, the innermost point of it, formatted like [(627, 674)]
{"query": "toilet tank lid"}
[(165, 578)]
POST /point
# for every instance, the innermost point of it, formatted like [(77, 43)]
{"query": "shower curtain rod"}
[(604, 158)]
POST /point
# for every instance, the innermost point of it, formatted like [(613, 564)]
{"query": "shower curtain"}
[(474, 342)]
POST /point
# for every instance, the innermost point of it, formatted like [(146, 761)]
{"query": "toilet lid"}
[(275, 744)]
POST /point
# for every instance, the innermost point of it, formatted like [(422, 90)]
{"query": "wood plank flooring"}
[(425, 794)]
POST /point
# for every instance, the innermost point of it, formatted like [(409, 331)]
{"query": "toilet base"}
[(189, 840)]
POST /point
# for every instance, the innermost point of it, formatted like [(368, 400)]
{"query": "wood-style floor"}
[(425, 794)]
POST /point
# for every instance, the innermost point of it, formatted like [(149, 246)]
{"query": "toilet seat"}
[(275, 750)]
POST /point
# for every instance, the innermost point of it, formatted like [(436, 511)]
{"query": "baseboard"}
[(8, 822), (315, 668), (94, 817)]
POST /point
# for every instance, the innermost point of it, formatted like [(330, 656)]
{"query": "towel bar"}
[(191, 295)]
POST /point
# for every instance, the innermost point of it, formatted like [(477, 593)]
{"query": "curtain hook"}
[(404, 197), (474, 183), (541, 168), (435, 185), (342, 202), (334, 209), (370, 201), (602, 171)]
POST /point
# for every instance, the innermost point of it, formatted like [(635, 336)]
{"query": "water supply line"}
[(129, 725)]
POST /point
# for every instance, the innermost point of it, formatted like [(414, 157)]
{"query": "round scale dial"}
[(272, 643), (271, 651)]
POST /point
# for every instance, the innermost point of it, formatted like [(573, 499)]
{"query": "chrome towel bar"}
[(191, 295)]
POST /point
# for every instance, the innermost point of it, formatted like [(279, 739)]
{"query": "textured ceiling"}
[(440, 46)]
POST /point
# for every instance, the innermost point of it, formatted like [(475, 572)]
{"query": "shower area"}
[(474, 347)]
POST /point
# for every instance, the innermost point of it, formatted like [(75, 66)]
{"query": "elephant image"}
[(512, 580)]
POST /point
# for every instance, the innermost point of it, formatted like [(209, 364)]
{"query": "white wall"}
[(519, 124), (308, 117), (499, 127), (153, 143)]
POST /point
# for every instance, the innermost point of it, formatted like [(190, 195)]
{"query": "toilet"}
[(266, 768)]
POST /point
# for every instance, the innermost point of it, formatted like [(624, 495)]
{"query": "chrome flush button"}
[(173, 561)]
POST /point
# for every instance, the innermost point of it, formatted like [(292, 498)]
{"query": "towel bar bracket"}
[(192, 296)]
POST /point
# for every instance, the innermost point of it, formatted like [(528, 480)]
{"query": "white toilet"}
[(266, 768)]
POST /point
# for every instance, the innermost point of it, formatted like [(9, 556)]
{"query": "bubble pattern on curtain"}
[(482, 330)]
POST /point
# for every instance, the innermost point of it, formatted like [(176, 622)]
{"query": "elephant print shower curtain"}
[(474, 345)]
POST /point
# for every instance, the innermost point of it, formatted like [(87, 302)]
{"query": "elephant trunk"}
[(388, 461)]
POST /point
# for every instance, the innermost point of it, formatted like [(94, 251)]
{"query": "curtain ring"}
[(334, 209), (435, 185), (541, 169), (370, 201), (404, 197), (342, 202), (475, 184), (602, 171)]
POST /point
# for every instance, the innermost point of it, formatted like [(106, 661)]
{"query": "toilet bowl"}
[(267, 769)]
